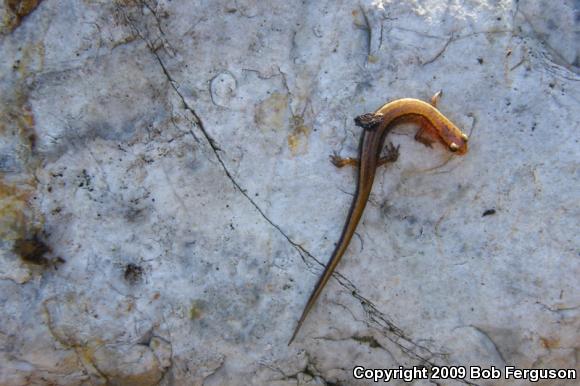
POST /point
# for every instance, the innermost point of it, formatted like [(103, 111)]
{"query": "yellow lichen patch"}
[(270, 114), (298, 138), (196, 310), (17, 126), (13, 206), (9, 111)]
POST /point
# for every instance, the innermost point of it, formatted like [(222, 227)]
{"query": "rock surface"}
[(167, 202)]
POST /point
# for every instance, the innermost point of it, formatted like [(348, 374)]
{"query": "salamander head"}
[(369, 121), (454, 139)]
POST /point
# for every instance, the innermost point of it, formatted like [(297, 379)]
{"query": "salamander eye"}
[(453, 147), (464, 137)]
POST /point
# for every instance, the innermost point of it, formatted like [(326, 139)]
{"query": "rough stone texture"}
[(167, 201)]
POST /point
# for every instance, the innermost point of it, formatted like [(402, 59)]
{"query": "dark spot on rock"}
[(488, 212), (32, 250), (32, 141), (133, 273), (85, 180), (134, 214)]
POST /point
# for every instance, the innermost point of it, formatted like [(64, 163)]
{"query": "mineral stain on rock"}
[(298, 138), (17, 10), (16, 219), (14, 211), (270, 114)]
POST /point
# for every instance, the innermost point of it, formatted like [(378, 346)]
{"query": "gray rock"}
[(167, 201)]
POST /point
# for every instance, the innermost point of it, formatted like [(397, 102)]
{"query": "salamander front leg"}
[(391, 155), (425, 136), (340, 162)]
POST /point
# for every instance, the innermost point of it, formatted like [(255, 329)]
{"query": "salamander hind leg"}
[(340, 162), (436, 97), (391, 154)]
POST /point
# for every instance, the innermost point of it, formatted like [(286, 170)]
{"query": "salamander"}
[(433, 127)]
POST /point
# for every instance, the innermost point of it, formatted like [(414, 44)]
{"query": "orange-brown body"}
[(434, 126)]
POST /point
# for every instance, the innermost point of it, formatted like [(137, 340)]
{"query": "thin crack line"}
[(199, 123), (441, 51), (495, 346), (215, 148), (368, 28)]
